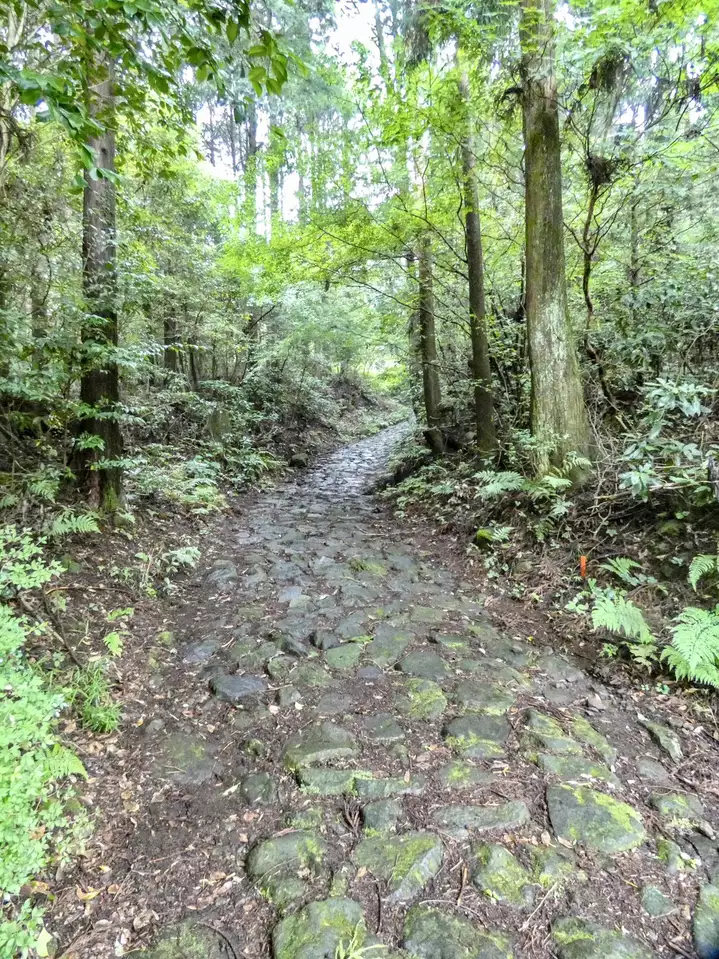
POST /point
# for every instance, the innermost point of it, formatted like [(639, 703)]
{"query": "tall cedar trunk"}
[(486, 436), (558, 414), (251, 167), (171, 340), (232, 137), (100, 384), (428, 350)]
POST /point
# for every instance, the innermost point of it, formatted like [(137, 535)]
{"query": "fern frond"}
[(620, 616), (68, 523), (701, 566), (695, 637), (61, 762), (495, 484), (621, 567)]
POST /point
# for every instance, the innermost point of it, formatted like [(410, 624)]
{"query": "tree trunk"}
[(251, 169), (486, 436), (428, 350), (100, 384), (558, 414), (171, 340)]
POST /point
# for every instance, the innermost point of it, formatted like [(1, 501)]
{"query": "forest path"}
[(334, 747)]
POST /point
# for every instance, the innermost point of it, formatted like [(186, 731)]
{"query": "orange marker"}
[(583, 566)]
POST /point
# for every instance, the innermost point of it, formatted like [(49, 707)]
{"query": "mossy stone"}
[(583, 939), (383, 728), (406, 862), (186, 760), (318, 744), (276, 864), (344, 657), (705, 924), (424, 665), (460, 774), (430, 933), (601, 823), (387, 648), (460, 821), (477, 736), (671, 854), (424, 700), (655, 903), (576, 768), (544, 731), (478, 697), (500, 876), (665, 738), (318, 929), (552, 867), (679, 807), (586, 733), (367, 787), (381, 814), (188, 940), (259, 789), (326, 782)]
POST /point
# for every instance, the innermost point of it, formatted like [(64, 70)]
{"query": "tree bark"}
[(100, 384), (558, 413), (486, 437), (431, 388)]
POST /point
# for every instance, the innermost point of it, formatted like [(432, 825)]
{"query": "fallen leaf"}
[(85, 895)]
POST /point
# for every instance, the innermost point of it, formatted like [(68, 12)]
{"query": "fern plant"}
[(694, 650), (701, 566)]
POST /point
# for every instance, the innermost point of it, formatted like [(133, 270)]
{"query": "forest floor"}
[(331, 738)]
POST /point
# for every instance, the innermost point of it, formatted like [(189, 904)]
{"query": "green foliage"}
[(701, 566), (90, 695), (36, 828), (694, 650)]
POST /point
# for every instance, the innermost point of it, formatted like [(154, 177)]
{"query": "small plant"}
[(91, 697), (355, 947)]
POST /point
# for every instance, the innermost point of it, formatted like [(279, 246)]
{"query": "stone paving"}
[(418, 782)]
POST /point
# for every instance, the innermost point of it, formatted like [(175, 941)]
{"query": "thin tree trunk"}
[(171, 341), (428, 349), (558, 414), (100, 384), (232, 137), (251, 169), (486, 437)]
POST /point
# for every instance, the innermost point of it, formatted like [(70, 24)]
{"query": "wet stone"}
[(188, 940), (383, 728), (187, 760), (200, 652), (320, 743), (459, 774), (583, 939), (406, 863), (424, 700), (461, 821), (655, 903), (317, 930), (424, 666), (705, 924), (249, 654), (344, 657), (370, 673), (677, 806), (672, 856), (582, 815), (664, 737), (236, 689), (479, 697), (432, 934), (371, 788), (477, 736), (500, 876), (280, 867), (259, 789), (576, 769), (381, 814)]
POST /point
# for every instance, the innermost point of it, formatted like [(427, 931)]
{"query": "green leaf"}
[(232, 29)]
